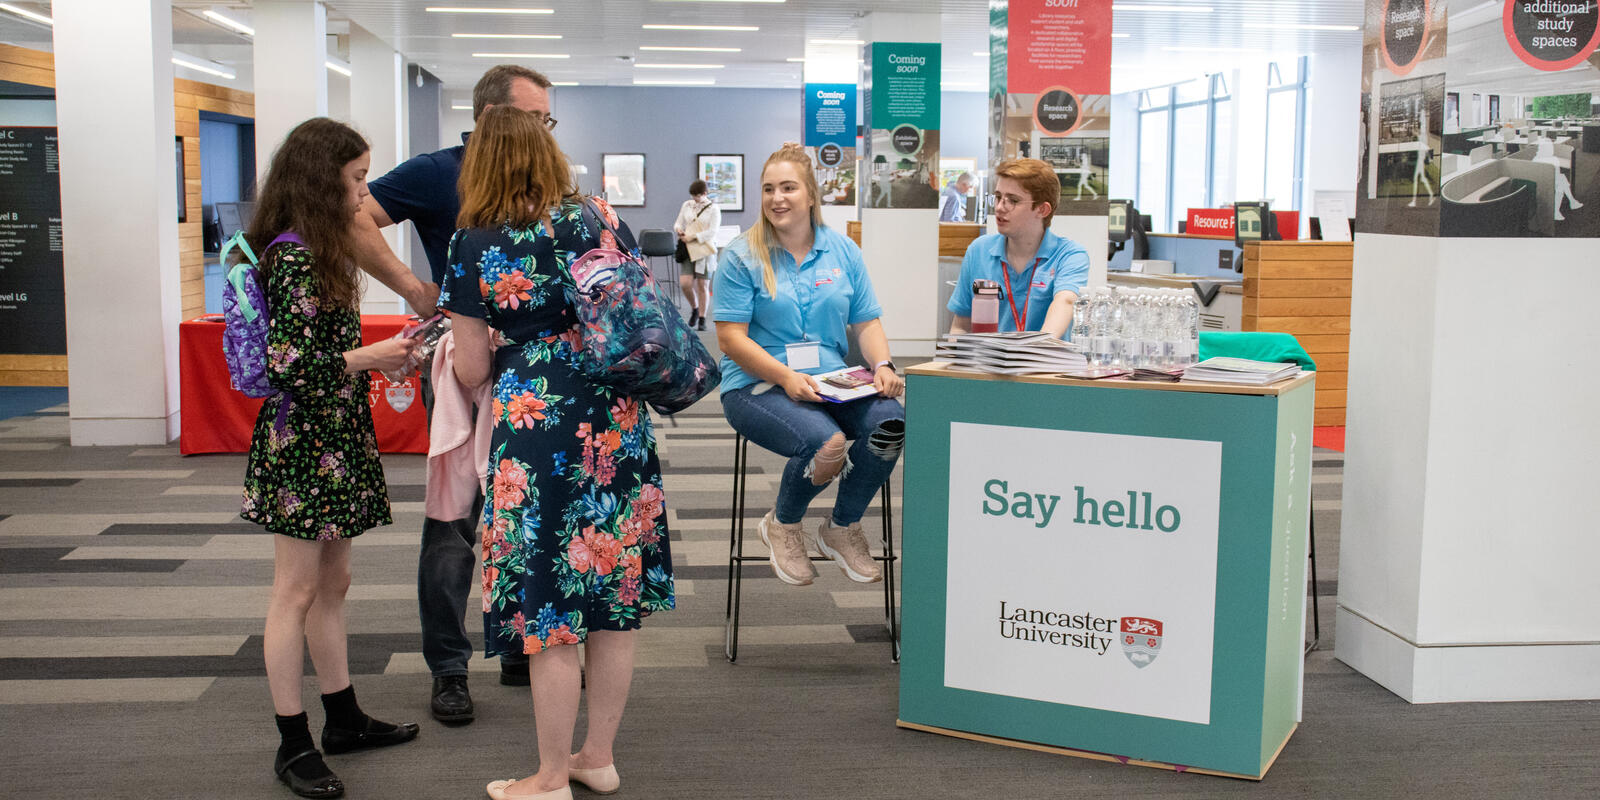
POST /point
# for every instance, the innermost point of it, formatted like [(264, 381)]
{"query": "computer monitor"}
[(233, 217), (1253, 222), (1119, 220)]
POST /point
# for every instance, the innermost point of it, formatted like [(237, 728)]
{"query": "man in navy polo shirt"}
[(423, 190)]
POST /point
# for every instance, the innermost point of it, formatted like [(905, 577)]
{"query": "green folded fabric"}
[(1280, 348)]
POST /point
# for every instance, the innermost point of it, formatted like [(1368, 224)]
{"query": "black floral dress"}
[(575, 536), (313, 470)]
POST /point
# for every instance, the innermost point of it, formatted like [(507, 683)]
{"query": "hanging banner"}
[(830, 139), (33, 317), (1496, 138), (901, 146), (1050, 93)]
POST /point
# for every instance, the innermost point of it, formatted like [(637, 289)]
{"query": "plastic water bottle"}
[(1153, 333), (1102, 313), (1118, 328), (1192, 323), (1079, 332), (985, 306)]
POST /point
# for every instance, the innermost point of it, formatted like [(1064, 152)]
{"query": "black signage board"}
[(33, 319)]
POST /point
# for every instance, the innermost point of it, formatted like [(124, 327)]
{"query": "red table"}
[(217, 419)]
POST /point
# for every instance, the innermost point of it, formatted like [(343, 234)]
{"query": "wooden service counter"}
[(953, 236), (1107, 569), (1303, 288)]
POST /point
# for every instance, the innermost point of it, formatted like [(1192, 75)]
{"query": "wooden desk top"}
[(943, 369)]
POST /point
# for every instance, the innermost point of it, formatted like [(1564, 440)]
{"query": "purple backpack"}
[(244, 312)]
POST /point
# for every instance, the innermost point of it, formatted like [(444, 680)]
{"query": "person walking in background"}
[(697, 224), (423, 190), (313, 475), (575, 544), (787, 290), (954, 207)]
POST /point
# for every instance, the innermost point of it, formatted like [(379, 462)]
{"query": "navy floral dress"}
[(575, 536), (313, 470)]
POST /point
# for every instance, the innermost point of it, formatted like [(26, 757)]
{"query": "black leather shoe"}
[(341, 740), (514, 674), (452, 704), (327, 785)]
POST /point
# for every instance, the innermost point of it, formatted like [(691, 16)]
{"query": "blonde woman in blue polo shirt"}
[(1040, 273), (787, 294)]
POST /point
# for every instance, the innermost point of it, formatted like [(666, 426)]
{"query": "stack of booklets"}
[(1019, 353), (1222, 369)]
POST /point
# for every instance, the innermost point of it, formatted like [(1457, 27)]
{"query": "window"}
[(1286, 122), (1183, 133), (1153, 166)]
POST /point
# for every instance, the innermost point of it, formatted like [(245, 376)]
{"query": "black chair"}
[(655, 243), (737, 558)]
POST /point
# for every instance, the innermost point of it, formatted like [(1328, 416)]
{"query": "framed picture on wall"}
[(724, 177), (622, 178)]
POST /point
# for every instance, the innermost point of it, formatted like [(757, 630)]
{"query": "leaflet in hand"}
[(844, 385)]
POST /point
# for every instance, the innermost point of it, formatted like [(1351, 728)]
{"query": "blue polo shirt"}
[(423, 190), (817, 300), (1061, 265)]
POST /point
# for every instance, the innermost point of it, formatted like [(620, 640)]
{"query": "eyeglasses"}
[(549, 121), (1009, 200)]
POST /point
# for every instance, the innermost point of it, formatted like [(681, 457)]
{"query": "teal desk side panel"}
[(1286, 606), (1245, 425)]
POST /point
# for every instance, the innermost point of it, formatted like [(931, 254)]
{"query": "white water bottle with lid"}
[(985, 306)]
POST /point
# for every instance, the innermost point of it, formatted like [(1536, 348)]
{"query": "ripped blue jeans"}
[(876, 426)]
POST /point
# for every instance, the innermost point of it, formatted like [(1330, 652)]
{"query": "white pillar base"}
[(1461, 673), (127, 431)]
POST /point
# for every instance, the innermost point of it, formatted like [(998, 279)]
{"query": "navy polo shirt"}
[(423, 190)]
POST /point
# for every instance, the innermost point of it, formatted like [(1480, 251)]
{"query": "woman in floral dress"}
[(575, 541), (313, 475)]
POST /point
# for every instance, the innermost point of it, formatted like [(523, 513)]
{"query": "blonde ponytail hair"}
[(762, 237)]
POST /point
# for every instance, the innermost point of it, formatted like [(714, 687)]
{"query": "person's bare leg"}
[(829, 460), (686, 285), (556, 683), (610, 673), (295, 566), (702, 288), (325, 626)]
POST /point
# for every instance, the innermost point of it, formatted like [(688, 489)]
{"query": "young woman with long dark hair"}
[(313, 476)]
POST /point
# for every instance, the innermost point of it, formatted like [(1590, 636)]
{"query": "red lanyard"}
[(1022, 318)]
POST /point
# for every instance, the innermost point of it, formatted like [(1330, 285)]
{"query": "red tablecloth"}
[(217, 419)]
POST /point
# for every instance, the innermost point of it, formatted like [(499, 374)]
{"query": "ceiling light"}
[(1242, 50), (201, 65), (981, 53), (838, 41), (724, 1), (677, 66), (700, 27), (800, 60), (1121, 35), (521, 55), (690, 82), (692, 49), (461, 10), (505, 36), (337, 67), (26, 14), (461, 108), (1300, 26), (228, 22), (1161, 8)]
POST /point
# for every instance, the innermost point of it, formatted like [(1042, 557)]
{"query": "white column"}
[(291, 74), (377, 82), (901, 245), (119, 218)]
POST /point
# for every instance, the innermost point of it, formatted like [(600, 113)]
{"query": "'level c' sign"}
[(1405, 29), (1552, 35)]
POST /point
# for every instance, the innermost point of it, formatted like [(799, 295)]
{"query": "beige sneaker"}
[(791, 562), (848, 548)]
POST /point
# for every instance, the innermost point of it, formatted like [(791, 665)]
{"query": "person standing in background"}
[(954, 206), (423, 190), (697, 224)]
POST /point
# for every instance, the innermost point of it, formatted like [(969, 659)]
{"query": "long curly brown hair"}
[(304, 192)]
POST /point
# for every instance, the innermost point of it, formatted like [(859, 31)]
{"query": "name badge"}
[(804, 355), (1039, 284), (823, 282)]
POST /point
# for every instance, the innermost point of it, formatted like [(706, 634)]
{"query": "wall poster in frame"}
[(622, 176), (724, 177)]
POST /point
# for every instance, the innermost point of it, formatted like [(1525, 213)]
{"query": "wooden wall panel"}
[(1303, 288), (36, 68)]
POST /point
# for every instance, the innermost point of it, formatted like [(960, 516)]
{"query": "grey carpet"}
[(130, 617)]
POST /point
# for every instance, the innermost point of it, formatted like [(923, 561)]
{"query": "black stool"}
[(737, 558), (655, 243)]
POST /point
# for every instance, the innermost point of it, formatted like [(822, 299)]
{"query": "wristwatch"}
[(885, 363)]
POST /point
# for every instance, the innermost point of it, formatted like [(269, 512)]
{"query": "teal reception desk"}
[(1107, 569)]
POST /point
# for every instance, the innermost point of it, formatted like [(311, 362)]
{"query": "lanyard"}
[(1011, 296)]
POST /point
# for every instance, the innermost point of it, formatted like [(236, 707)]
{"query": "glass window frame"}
[(1165, 98)]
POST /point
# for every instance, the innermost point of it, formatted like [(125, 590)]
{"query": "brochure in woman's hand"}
[(844, 385)]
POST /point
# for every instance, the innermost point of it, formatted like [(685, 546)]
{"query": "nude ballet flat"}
[(600, 780), (497, 791)]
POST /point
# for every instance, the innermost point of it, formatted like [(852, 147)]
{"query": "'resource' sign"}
[(1087, 580), (1552, 35), (1405, 30)]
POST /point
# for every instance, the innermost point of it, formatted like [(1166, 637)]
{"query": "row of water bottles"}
[(1136, 327)]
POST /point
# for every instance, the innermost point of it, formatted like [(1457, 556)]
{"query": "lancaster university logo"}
[(1141, 640), (399, 395)]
